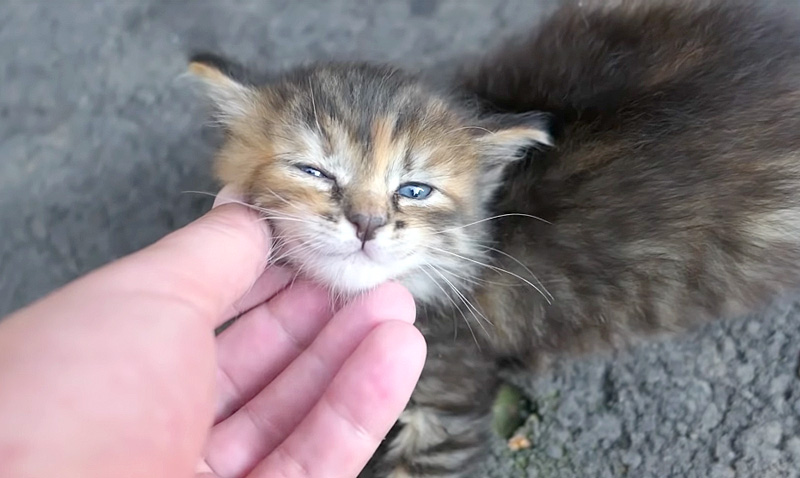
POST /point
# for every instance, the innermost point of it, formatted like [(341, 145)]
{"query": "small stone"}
[(560, 436), (518, 442), (761, 440), (631, 459), (723, 452), (637, 438), (772, 433), (727, 349), (793, 447), (711, 418), (745, 373), (555, 452), (609, 427), (779, 384), (722, 471)]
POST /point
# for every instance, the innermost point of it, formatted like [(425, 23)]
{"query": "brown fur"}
[(401, 133), (669, 196)]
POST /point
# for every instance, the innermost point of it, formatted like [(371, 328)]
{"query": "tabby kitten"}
[(624, 170)]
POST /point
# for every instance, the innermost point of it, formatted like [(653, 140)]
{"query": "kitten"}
[(623, 170)]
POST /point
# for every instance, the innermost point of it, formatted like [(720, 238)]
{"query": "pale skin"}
[(120, 374)]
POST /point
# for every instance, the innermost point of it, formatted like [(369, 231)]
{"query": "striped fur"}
[(670, 195)]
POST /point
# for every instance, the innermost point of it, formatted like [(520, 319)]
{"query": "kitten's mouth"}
[(347, 265), (362, 253), (357, 257), (367, 252), (359, 253)]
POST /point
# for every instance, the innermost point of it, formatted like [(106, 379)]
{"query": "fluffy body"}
[(627, 169)]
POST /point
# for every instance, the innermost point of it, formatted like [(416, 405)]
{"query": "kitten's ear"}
[(508, 137), (232, 98)]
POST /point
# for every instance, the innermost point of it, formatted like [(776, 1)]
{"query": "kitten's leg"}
[(446, 426)]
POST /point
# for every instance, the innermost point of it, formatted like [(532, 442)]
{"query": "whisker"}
[(267, 210), (458, 308), (466, 301), (517, 214), (476, 280), (523, 266), (277, 196), (303, 247), (479, 128), (314, 106), (278, 218), (499, 269), (216, 195), (248, 205), (455, 320)]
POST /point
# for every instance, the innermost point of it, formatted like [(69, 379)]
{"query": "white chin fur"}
[(350, 275), (350, 271)]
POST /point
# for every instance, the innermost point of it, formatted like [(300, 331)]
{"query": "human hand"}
[(119, 373)]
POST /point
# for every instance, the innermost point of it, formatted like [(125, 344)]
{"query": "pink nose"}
[(367, 225)]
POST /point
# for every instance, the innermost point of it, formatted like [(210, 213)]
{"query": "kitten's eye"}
[(313, 171), (415, 190)]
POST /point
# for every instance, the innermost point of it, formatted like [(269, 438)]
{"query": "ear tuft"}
[(232, 98), (512, 133), (506, 139)]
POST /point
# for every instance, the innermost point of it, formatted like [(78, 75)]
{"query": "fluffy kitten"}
[(640, 158)]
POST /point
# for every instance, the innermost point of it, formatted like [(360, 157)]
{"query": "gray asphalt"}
[(99, 138)]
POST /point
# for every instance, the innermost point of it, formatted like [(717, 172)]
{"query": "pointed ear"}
[(509, 137), (232, 98)]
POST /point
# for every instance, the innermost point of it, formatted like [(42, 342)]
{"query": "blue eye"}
[(313, 172), (415, 190)]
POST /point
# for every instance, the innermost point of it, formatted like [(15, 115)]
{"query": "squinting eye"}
[(415, 190), (313, 172)]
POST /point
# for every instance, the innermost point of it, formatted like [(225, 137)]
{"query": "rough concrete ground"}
[(99, 137)]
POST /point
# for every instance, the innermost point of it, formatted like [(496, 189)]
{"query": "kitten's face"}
[(363, 175)]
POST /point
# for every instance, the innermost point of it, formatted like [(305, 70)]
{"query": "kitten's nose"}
[(367, 225)]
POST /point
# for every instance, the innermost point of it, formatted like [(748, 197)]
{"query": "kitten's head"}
[(364, 173)]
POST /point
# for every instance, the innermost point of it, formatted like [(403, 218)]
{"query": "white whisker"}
[(499, 269), (458, 308), (517, 214), (527, 269), (470, 306)]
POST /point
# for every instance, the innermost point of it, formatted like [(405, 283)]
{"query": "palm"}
[(293, 379)]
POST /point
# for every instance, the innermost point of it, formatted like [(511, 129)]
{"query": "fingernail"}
[(227, 195)]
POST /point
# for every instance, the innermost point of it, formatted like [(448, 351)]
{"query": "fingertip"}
[(386, 366), (227, 195), (211, 262), (391, 301), (400, 343), (234, 200), (232, 214)]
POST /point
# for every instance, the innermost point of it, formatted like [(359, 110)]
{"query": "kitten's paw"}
[(402, 472), (432, 444)]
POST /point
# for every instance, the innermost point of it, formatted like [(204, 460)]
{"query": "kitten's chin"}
[(350, 280), (349, 276)]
